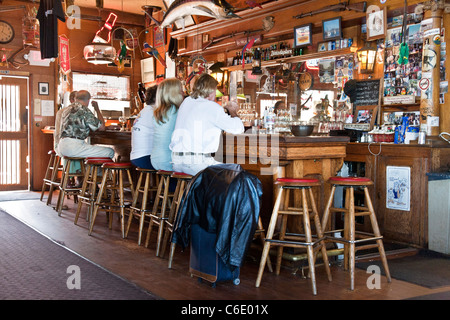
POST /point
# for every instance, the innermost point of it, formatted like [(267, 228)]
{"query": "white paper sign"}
[(47, 108), (398, 188)]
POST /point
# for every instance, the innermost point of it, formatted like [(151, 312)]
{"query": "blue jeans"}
[(143, 162)]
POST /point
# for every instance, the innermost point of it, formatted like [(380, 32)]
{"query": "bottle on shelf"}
[(141, 92)]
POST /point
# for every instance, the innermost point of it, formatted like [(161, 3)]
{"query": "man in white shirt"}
[(199, 126)]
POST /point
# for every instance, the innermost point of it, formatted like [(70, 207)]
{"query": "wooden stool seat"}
[(113, 181), (64, 188), (350, 211), (285, 187), (161, 207), (351, 181), (51, 175), (89, 188), (147, 184), (298, 182)]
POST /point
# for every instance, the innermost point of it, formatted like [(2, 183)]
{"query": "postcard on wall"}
[(398, 188)]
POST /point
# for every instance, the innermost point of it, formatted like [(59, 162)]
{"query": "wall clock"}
[(6, 32)]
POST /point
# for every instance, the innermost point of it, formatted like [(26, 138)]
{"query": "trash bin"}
[(439, 212)]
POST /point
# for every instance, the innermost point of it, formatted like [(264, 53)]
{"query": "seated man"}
[(76, 124), (199, 127)]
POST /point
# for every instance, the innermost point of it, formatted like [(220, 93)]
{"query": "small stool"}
[(51, 175), (147, 183), (89, 188), (113, 181), (159, 214), (350, 212), (295, 240), (182, 180), (63, 187)]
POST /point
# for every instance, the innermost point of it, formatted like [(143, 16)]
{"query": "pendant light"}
[(100, 51)]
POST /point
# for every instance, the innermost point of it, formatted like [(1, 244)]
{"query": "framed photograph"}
[(43, 88), (376, 24), (303, 35), (323, 46), (331, 28)]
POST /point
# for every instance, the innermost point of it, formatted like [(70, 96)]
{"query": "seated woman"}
[(169, 96), (142, 132)]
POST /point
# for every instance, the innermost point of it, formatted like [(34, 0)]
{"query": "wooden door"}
[(13, 133)]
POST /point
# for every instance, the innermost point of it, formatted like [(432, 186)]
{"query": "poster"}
[(398, 188)]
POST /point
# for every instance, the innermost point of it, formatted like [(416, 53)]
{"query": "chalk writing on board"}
[(367, 93)]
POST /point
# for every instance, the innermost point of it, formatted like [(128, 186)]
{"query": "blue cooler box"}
[(205, 262)]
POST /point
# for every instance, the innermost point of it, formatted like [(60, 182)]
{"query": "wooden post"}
[(429, 103)]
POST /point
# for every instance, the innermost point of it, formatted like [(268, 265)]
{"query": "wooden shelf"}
[(400, 107), (303, 57)]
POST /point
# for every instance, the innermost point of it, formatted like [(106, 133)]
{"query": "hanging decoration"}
[(153, 52), (248, 46), (120, 59), (100, 51)]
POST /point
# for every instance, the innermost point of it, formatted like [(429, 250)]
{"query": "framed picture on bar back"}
[(331, 29), (303, 35), (376, 23)]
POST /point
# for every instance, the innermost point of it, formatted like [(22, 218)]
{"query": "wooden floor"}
[(140, 265)]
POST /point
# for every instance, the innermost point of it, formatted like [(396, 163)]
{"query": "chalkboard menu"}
[(367, 93)]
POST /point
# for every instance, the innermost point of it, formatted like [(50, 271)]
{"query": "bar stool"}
[(295, 240), (350, 212), (66, 190), (112, 182), (93, 170), (159, 214), (147, 184), (51, 175), (182, 181)]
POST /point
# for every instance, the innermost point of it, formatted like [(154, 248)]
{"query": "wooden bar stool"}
[(295, 240), (146, 185), (351, 211), (161, 206), (113, 182), (51, 175), (183, 180), (64, 188), (93, 170)]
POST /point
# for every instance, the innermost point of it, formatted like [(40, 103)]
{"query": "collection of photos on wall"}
[(399, 79)]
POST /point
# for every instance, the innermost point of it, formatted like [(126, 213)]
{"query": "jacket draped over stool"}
[(223, 199)]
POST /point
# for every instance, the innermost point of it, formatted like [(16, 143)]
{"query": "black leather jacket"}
[(223, 199)]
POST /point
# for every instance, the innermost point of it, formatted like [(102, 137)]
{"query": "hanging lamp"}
[(100, 51)]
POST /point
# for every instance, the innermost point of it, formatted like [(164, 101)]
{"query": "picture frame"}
[(376, 24), (303, 35), (331, 28), (43, 88), (322, 46)]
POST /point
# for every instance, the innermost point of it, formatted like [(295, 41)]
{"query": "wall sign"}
[(398, 188)]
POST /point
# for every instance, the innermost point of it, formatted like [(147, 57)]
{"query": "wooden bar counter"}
[(404, 226), (272, 156), (120, 141)]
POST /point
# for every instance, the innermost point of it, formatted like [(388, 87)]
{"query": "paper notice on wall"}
[(432, 121), (37, 107), (398, 188), (47, 108)]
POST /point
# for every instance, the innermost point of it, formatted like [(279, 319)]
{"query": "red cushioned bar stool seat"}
[(161, 208), (89, 189), (111, 196), (352, 239), (146, 186), (306, 208)]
